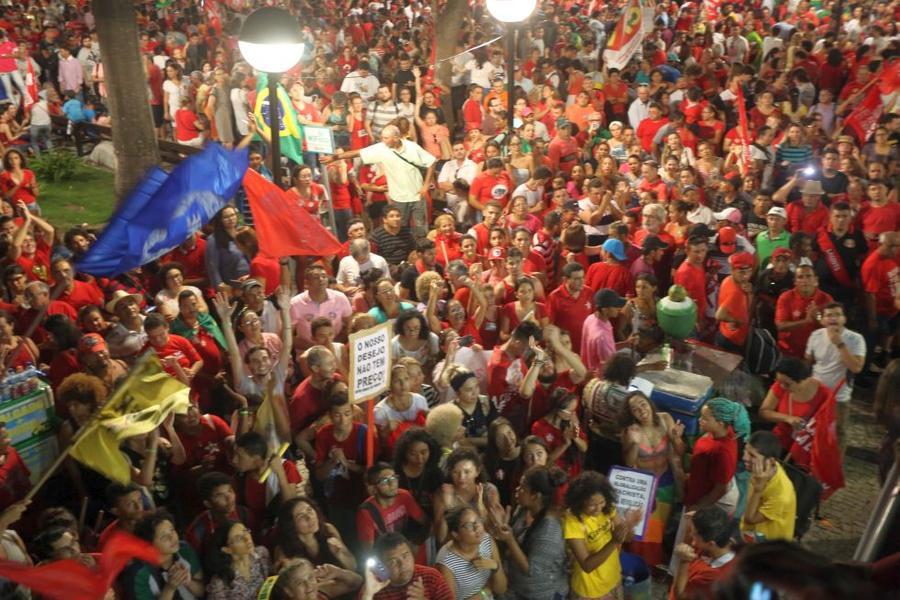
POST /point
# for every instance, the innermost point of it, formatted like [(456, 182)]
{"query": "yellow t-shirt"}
[(596, 533), (778, 505)]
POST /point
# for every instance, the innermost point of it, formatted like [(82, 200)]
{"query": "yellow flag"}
[(138, 406)]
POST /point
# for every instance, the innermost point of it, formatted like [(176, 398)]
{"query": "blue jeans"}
[(38, 133)]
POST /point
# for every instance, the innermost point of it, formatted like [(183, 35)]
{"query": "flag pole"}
[(88, 427)]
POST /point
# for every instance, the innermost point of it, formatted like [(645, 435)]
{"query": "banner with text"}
[(370, 362), (635, 489)]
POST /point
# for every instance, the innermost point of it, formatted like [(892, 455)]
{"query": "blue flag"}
[(164, 209)]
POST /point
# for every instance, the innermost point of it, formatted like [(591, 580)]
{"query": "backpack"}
[(761, 353), (808, 492)]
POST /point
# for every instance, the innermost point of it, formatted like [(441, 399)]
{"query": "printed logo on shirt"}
[(499, 191)]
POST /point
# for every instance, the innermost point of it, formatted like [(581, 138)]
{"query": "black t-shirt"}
[(394, 248), (406, 79), (852, 250), (836, 184), (755, 225)]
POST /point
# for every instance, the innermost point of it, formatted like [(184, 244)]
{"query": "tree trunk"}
[(134, 137), (447, 27)]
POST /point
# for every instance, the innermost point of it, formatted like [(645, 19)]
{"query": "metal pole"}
[(275, 128), (510, 74), (881, 517), (332, 224)]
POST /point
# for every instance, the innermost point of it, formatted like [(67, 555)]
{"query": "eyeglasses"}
[(388, 480), (471, 525)]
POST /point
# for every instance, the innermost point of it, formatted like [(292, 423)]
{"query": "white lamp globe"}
[(270, 40), (511, 11)]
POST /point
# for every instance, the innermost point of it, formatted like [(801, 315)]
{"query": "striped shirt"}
[(793, 154), (469, 580), (380, 114), (395, 248)]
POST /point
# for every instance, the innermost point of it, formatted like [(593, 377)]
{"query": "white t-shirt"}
[(364, 86), (384, 413), (532, 197), (349, 269), (404, 180), (829, 368), (174, 91)]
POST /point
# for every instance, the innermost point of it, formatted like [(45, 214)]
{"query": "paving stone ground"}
[(847, 511)]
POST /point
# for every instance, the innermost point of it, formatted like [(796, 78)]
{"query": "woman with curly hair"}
[(303, 532), (466, 487), (417, 458), (594, 532)]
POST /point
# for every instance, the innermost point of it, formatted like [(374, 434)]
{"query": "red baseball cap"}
[(781, 251), (741, 260), (91, 343), (497, 253), (727, 240)]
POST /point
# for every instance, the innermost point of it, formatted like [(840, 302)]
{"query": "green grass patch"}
[(88, 197)]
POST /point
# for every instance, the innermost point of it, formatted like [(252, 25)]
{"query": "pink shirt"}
[(597, 343), (271, 341), (71, 74), (304, 309)]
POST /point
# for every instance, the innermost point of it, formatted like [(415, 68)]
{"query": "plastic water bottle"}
[(667, 354), (13, 380)]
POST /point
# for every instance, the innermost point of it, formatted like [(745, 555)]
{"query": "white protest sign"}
[(635, 489), (370, 362), (318, 139)]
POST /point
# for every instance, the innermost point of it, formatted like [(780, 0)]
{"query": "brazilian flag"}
[(289, 128)]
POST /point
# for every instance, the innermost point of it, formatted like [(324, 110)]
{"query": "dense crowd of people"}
[(521, 272)]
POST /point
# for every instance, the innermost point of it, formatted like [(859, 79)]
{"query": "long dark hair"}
[(222, 236), (543, 481), (289, 539), (491, 455), (410, 437), (217, 562)]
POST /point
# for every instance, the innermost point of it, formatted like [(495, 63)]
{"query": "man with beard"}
[(543, 377), (388, 509)]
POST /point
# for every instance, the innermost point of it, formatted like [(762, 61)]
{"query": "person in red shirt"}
[(493, 184), (505, 371), (797, 311), (76, 294), (126, 502), (473, 112), (880, 214), (648, 128), (715, 456), (218, 496), (15, 476), (482, 231), (691, 275), (190, 254), (37, 294), (566, 441), (881, 283), (388, 509), (308, 403), (206, 440), (733, 313), (177, 355), (571, 303), (706, 557), (341, 457), (563, 152), (30, 251), (405, 579), (252, 458), (652, 182), (612, 272), (809, 215)]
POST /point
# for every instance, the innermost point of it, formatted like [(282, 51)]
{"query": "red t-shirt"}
[(693, 279), (82, 294), (876, 220), (736, 301), (807, 222), (185, 129), (563, 154), (568, 312), (555, 438), (307, 404), (701, 577), (509, 311), (435, 585), (15, 479), (256, 496), (713, 461), (881, 277), (24, 192), (346, 492), (37, 266), (208, 447), (615, 277), (791, 306), (311, 204), (472, 114), (486, 187), (265, 267), (394, 517), (193, 261), (180, 348), (647, 130)]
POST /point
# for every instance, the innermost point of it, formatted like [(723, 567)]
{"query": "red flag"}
[(626, 37), (31, 87), (72, 580), (890, 78), (816, 445), (864, 118), (282, 227), (212, 14), (744, 130)]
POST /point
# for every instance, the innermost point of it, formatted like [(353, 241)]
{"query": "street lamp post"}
[(513, 13), (270, 40)]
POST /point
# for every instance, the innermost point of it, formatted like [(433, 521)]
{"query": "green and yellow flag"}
[(138, 406), (288, 127)]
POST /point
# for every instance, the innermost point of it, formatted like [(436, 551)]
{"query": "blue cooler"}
[(681, 394)]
